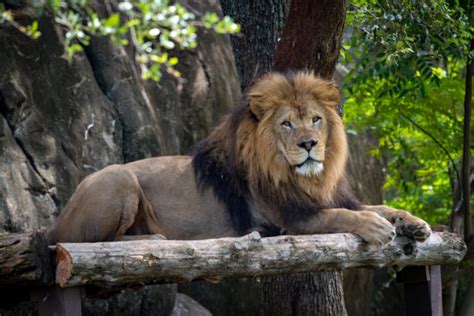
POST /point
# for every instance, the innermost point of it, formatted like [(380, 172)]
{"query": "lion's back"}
[(183, 209)]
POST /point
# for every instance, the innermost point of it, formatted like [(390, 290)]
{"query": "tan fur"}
[(162, 196)]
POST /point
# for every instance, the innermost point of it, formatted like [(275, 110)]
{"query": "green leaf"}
[(33, 27), (54, 5), (173, 61), (132, 22), (113, 21), (73, 49), (159, 59)]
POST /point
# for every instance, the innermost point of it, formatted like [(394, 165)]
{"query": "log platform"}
[(175, 261), (25, 263)]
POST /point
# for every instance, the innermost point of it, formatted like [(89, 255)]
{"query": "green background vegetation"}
[(406, 86)]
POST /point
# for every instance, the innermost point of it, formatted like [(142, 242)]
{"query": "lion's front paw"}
[(374, 229), (411, 226)]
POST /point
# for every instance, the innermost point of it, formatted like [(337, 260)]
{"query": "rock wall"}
[(61, 120)]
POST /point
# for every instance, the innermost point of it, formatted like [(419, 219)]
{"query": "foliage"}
[(406, 86), (156, 28), (419, 171), (406, 43)]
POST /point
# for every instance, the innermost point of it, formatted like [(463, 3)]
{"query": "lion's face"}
[(301, 132), (298, 128)]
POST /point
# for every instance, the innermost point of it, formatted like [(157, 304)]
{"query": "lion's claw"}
[(413, 227), (418, 232)]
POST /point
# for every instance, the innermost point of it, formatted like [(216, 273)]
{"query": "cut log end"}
[(64, 266)]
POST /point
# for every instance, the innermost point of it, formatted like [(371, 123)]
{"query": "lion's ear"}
[(266, 93), (327, 91), (258, 104), (256, 107)]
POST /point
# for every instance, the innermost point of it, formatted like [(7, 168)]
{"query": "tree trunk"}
[(262, 22), (311, 39), (466, 159), (467, 306), (303, 294)]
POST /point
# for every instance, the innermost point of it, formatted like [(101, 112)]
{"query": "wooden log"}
[(25, 260), (161, 261)]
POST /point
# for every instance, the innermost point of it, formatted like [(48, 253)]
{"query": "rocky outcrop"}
[(186, 306), (156, 300), (60, 120)]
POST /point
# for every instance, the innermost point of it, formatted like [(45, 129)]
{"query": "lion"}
[(276, 164)]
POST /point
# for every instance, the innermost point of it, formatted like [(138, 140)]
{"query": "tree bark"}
[(321, 302), (461, 218), (461, 211), (24, 259), (261, 22), (312, 37), (152, 261), (467, 306), (466, 159)]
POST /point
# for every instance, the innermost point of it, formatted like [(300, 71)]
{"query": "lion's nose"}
[(308, 144)]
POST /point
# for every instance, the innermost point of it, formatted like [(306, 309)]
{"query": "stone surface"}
[(228, 297), (186, 306), (155, 300), (60, 124), (61, 120)]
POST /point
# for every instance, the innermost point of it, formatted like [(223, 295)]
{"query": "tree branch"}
[(437, 142)]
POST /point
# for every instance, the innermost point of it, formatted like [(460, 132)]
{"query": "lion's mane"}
[(241, 163)]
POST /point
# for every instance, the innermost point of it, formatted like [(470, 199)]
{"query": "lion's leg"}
[(405, 223), (102, 208), (370, 226)]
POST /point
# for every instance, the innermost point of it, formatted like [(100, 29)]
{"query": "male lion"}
[(277, 162)]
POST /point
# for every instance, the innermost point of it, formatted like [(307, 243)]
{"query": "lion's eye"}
[(286, 124), (316, 119)]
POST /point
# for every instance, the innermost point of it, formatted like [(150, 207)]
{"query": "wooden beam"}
[(174, 261), (436, 291), (24, 260), (422, 290)]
